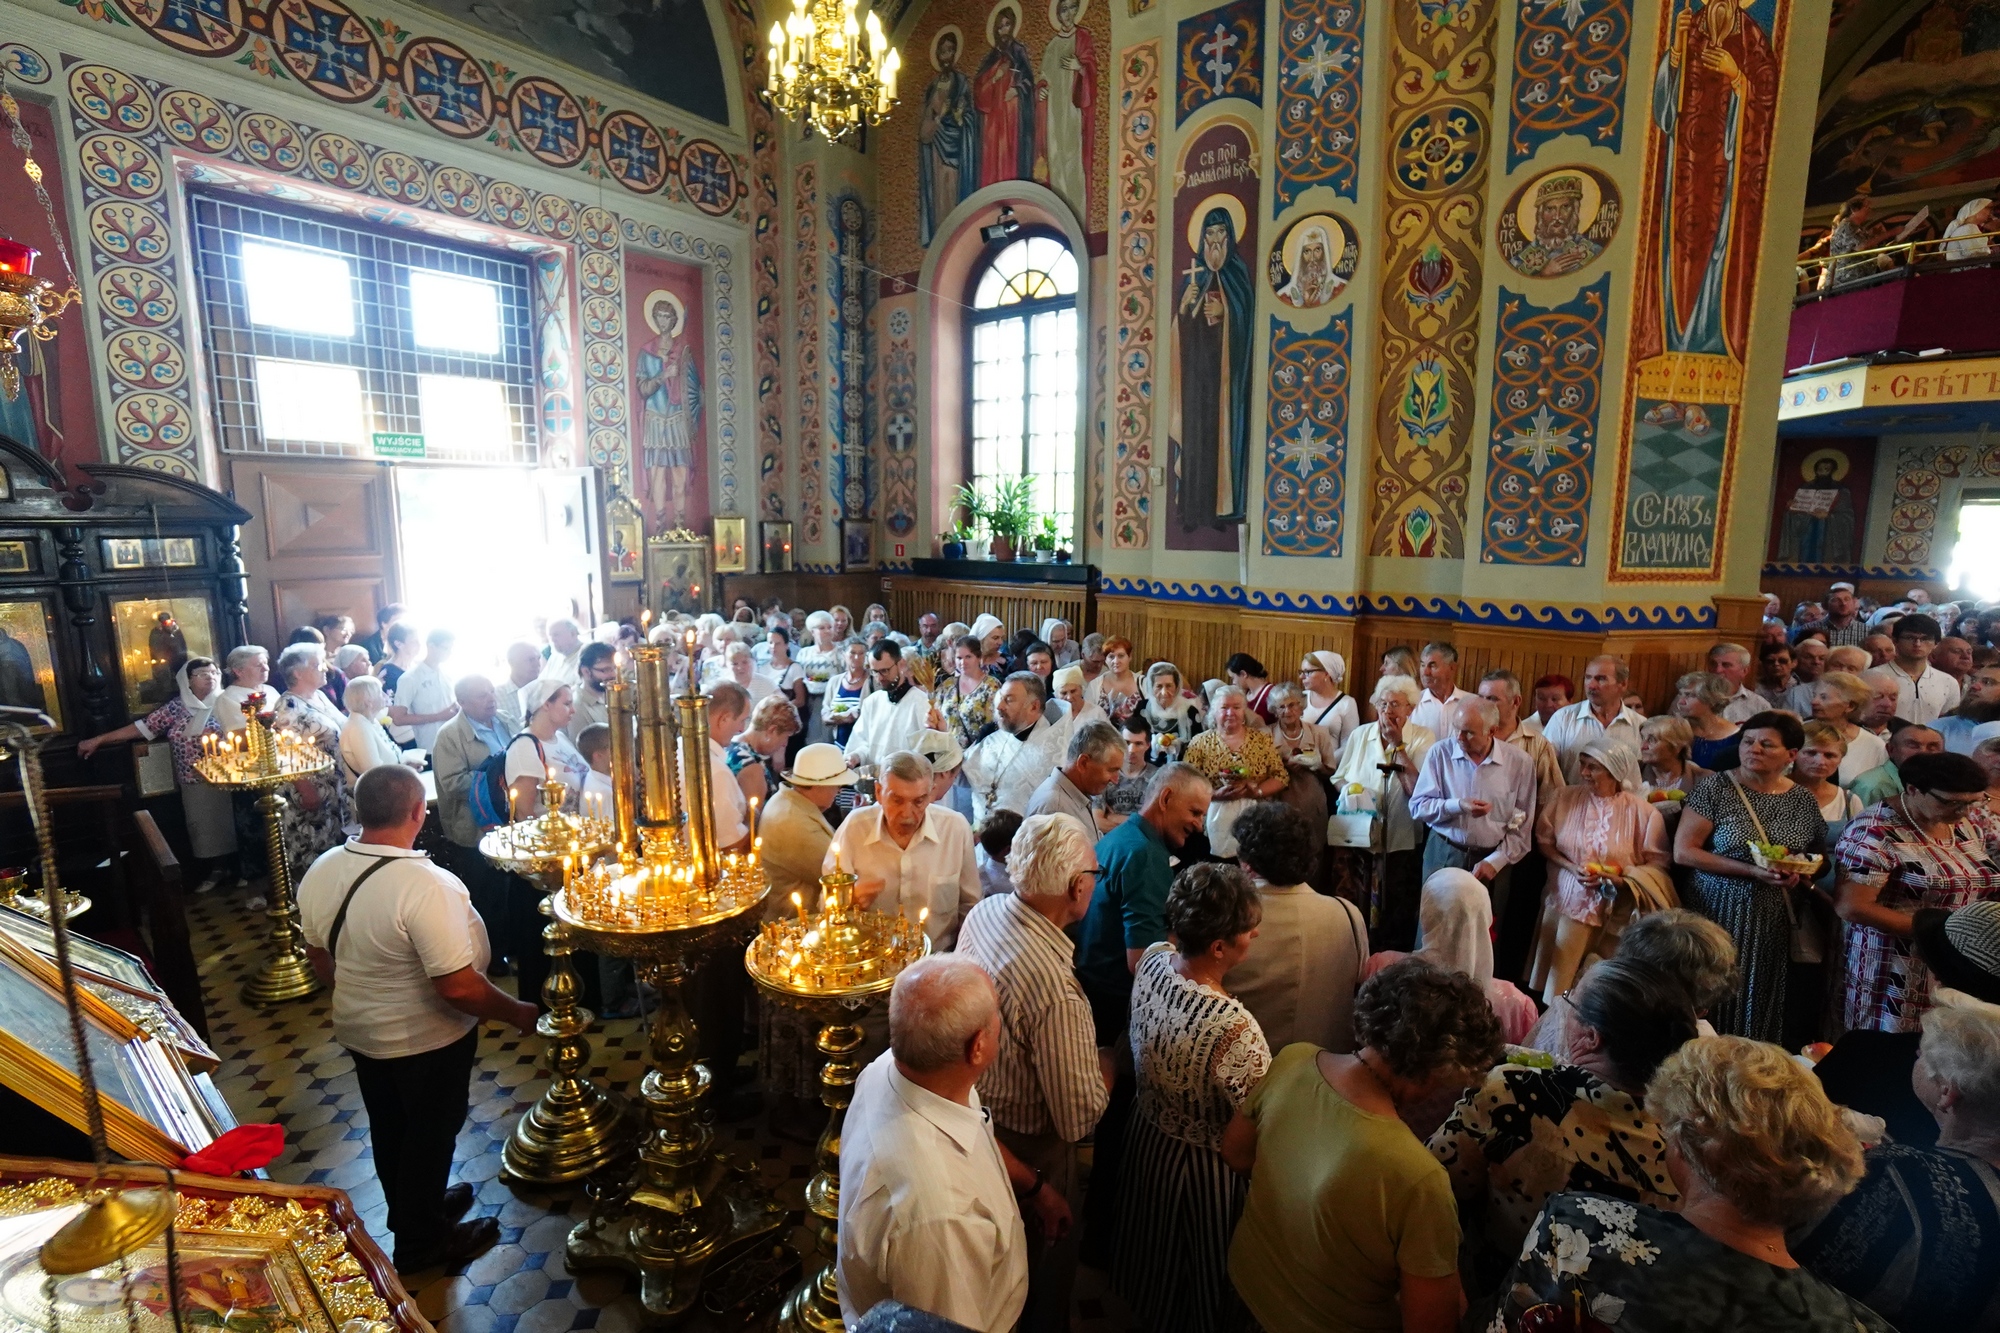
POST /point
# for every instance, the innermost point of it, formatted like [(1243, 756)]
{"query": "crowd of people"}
[(1509, 1004)]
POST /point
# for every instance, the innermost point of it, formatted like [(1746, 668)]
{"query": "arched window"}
[(1025, 375)]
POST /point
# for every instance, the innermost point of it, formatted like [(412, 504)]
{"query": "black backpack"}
[(489, 784)]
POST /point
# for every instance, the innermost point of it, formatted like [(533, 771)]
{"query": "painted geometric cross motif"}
[(1570, 59), (1319, 107), (448, 88), (328, 48), (1548, 379), (549, 121), (1305, 455), (1221, 55)]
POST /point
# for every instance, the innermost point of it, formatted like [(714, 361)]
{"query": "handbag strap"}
[(1748, 808), (340, 917)]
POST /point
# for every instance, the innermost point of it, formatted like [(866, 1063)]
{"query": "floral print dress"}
[(966, 715), (310, 832), (1593, 1263)]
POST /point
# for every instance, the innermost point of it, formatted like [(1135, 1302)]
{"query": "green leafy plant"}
[(1011, 513), (971, 510), (1046, 539)]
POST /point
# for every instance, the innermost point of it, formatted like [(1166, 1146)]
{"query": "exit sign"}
[(391, 445)]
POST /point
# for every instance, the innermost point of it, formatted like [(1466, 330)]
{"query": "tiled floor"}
[(285, 1066)]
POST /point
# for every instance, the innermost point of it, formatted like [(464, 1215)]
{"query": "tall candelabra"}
[(669, 900), (575, 1128), (830, 965), (262, 759)]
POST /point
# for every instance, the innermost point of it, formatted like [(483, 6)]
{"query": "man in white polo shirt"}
[(406, 955)]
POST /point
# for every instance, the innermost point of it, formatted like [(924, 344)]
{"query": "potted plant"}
[(969, 510), (1045, 540), (1011, 517)]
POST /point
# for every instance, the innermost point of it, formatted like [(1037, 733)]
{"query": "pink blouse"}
[(1511, 1005), (1621, 830)]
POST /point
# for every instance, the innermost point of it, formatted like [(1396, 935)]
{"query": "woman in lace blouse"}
[(1197, 1053)]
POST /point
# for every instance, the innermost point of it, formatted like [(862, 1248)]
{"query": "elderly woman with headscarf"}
[(1966, 237), (992, 636), (315, 818), (1455, 932), (1591, 835), (1378, 769), (1329, 707), (821, 660), (179, 724), (1056, 634), (1068, 685)]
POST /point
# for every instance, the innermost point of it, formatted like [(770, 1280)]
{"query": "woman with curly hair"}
[(1755, 1148), (1350, 1222), (1197, 1053)]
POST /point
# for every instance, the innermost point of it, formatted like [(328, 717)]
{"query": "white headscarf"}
[(1619, 759), (1456, 921), (1334, 665), (198, 709), (1967, 214), (1048, 627), (985, 625)]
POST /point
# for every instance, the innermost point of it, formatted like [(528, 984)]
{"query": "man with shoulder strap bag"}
[(397, 939)]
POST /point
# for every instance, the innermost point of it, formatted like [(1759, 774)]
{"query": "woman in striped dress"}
[(1197, 1053), (1724, 815)]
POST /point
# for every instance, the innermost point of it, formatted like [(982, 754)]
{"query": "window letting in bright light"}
[(1975, 561), (306, 291), (465, 416), (310, 404), (452, 313), (1024, 376), (384, 311)]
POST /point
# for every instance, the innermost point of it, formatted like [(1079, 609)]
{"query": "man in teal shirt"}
[(1129, 910), (1878, 784)]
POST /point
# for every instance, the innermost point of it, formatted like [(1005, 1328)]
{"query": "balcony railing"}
[(1820, 276)]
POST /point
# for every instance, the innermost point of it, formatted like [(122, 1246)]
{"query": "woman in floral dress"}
[(316, 808), (180, 723), (1241, 764), (1197, 1053), (820, 661), (1934, 845), (1754, 1147)]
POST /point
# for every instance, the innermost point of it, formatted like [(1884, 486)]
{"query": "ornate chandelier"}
[(821, 72)]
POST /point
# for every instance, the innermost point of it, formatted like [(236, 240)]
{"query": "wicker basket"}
[(1807, 866)]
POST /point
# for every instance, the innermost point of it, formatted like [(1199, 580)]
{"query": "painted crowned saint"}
[(669, 409), (1003, 91), (947, 139), (1068, 99), (1313, 284), (1715, 96), (1212, 369), (1559, 246)]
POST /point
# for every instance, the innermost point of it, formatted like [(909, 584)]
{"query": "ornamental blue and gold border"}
[(1455, 610)]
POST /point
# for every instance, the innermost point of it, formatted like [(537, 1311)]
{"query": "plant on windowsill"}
[(970, 512), (953, 543), (1010, 517), (1045, 540)]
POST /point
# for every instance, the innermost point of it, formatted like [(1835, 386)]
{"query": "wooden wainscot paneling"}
[(814, 592), (1019, 605), (1791, 589), (1199, 638)]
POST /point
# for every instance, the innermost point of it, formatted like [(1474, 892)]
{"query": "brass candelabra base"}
[(575, 1128), (815, 1306), (684, 1207), (285, 974)]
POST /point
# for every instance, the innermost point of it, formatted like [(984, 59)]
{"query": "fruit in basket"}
[(1772, 851), (1666, 794)]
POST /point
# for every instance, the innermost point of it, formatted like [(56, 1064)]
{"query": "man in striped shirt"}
[(1047, 1087)]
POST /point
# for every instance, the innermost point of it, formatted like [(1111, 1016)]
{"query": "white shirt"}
[(1574, 726), (1003, 770), (597, 795), (365, 745), (884, 727), (423, 689), (562, 666), (509, 695), (230, 709), (937, 870), (1434, 714), (1925, 698), (1743, 705), (927, 1215), (725, 797), (410, 922), (759, 684)]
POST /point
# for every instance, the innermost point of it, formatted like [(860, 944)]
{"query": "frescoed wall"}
[(670, 388), (994, 90)]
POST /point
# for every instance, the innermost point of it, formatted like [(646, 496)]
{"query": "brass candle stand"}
[(830, 966), (670, 904), (575, 1128), (263, 759)]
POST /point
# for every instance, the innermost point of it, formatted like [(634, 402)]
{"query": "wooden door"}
[(323, 542)]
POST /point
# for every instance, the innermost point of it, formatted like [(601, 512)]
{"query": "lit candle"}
[(799, 905)]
